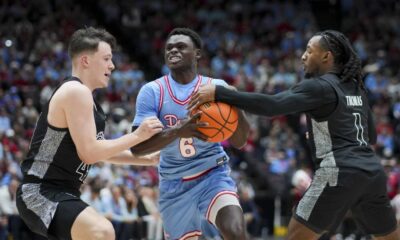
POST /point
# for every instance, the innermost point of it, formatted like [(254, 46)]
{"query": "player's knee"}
[(103, 230), (233, 229)]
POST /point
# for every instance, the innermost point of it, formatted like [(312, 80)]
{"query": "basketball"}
[(222, 120)]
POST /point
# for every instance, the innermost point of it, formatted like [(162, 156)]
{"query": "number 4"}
[(83, 170)]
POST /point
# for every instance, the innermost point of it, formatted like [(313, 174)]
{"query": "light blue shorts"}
[(184, 204)]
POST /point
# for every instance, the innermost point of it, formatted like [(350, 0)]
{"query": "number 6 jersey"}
[(168, 99)]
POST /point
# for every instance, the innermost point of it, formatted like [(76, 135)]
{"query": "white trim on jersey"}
[(358, 125), (222, 199)]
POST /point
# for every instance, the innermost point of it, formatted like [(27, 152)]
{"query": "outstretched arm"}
[(81, 124), (127, 158), (302, 97), (156, 143), (186, 129)]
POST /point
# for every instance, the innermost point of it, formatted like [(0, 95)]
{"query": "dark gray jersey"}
[(342, 138), (52, 158)]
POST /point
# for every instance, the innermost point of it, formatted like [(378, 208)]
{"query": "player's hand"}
[(188, 127), (149, 127), (206, 93)]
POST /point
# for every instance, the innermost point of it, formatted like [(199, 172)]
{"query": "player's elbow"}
[(87, 158), (87, 155), (238, 146), (239, 139)]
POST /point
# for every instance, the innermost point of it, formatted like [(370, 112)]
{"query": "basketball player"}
[(194, 174), (68, 138), (349, 175)]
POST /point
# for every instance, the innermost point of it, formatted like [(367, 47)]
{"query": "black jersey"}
[(52, 158), (340, 121), (342, 138)]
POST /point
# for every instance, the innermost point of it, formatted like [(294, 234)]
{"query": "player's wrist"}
[(216, 92), (137, 137)]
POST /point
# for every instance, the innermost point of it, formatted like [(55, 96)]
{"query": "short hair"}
[(190, 33), (87, 39)]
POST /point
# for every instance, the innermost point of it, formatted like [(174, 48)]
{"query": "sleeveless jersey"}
[(184, 156), (52, 158), (341, 139)]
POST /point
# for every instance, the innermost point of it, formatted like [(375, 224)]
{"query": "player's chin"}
[(104, 83), (308, 74), (174, 66)]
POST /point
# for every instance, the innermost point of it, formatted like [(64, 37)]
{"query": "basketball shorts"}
[(334, 191), (49, 212), (185, 205)]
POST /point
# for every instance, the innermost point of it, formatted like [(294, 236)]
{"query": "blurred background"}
[(253, 45)]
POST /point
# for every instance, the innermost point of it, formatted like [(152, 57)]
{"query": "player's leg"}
[(230, 222), (325, 203), (374, 213), (91, 225), (297, 230), (221, 205), (395, 235)]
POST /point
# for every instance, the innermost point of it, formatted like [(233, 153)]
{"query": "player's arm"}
[(76, 101), (186, 129), (302, 97), (239, 137), (127, 158)]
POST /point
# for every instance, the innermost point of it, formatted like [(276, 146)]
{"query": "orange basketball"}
[(222, 120)]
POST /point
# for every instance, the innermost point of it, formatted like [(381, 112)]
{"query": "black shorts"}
[(49, 212), (334, 191)]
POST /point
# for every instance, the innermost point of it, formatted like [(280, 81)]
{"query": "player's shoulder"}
[(74, 89), (153, 85), (71, 94), (316, 82), (328, 79), (313, 85), (216, 81)]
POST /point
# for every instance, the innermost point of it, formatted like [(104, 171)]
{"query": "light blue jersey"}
[(167, 99), (185, 205)]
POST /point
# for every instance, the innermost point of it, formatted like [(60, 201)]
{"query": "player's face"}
[(312, 57), (180, 52), (101, 64)]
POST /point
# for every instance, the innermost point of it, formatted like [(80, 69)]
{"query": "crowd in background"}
[(253, 45)]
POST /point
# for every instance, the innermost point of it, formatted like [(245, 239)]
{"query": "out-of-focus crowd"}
[(254, 45)]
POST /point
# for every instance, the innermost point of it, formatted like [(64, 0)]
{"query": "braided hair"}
[(345, 58)]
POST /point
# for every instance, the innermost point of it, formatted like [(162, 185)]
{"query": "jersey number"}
[(83, 170), (186, 147), (360, 129)]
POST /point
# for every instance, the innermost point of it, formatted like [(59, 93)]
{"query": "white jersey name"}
[(354, 101)]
